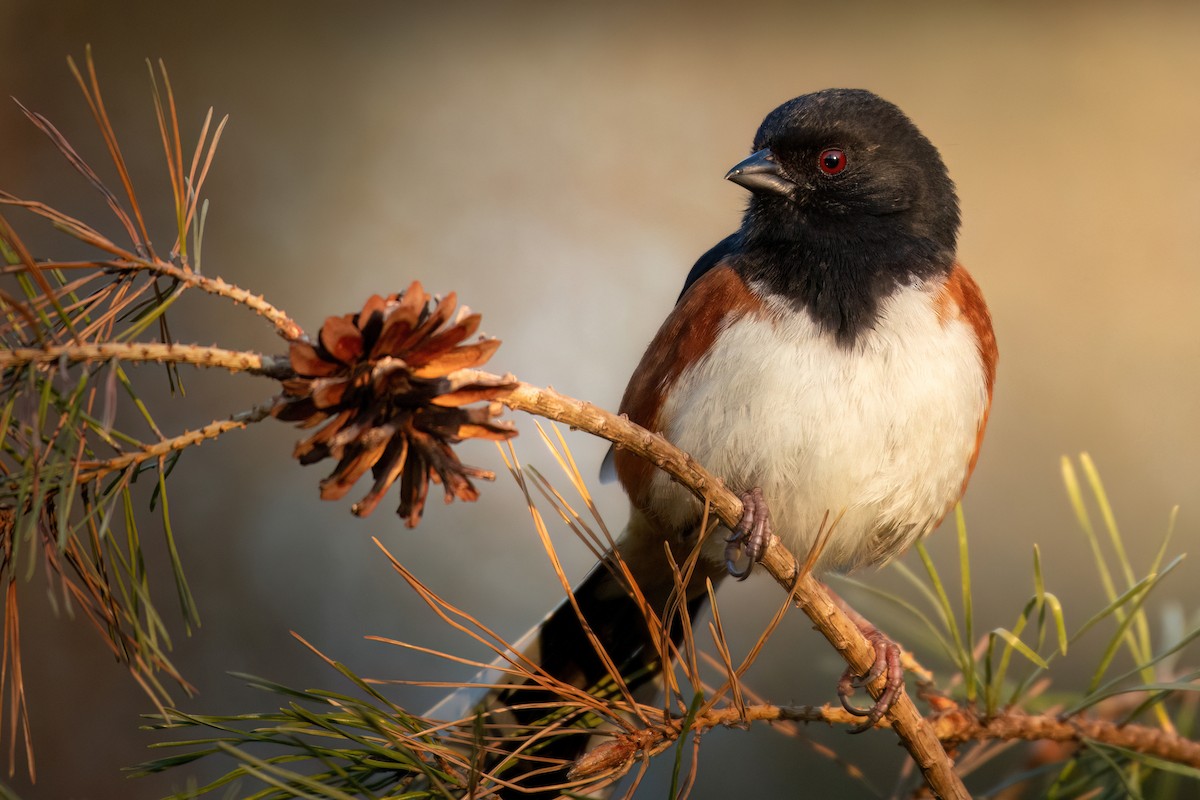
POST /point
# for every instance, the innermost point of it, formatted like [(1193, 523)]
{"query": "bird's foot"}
[(887, 662), (751, 535)]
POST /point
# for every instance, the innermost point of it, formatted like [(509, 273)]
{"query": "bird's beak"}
[(761, 173)]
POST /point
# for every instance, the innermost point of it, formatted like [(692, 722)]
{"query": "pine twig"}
[(614, 755), (91, 470), (285, 326), (963, 725), (196, 355)]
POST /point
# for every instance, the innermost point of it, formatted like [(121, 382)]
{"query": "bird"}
[(830, 360)]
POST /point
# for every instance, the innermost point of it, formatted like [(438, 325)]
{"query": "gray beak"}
[(761, 174)]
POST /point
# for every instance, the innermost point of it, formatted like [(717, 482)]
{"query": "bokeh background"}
[(560, 166)]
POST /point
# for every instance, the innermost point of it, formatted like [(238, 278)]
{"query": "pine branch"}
[(952, 728), (66, 471)]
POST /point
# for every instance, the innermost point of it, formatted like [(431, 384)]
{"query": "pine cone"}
[(387, 380)]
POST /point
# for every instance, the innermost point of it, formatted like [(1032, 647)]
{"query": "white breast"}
[(881, 432)]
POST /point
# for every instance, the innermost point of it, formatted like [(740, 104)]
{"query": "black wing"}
[(728, 245)]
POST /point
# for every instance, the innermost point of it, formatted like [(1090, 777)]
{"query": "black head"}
[(848, 200)]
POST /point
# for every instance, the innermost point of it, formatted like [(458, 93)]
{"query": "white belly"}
[(881, 433)]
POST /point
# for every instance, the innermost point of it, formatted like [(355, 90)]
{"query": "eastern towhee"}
[(830, 359)]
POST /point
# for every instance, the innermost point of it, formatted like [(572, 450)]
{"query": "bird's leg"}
[(750, 536), (887, 662)]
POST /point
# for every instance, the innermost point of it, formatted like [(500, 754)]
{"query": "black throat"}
[(840, 275)]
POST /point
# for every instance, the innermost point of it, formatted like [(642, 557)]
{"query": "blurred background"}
[(560, 167)]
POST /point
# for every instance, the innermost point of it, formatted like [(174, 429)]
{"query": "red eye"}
[(831, 161)]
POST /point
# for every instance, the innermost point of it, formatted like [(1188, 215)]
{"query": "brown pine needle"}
[(544, 535), (442, 654), (475, 629), (96, 103), (719, 639)]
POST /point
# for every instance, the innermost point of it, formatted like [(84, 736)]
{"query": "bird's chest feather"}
[(881, 432)]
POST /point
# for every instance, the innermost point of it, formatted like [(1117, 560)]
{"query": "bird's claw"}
[(750, 536), (887, 661)]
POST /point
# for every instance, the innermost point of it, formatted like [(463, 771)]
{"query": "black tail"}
[(628, 634)]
